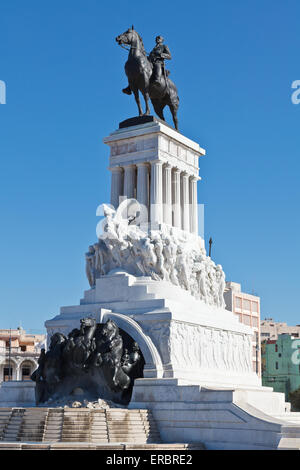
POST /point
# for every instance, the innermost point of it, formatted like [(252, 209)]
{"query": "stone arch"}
[(153, 365), (30, 360), (27, 361), (14, 364)]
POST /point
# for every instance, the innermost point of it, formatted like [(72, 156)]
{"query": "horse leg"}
[(158, 108), (146, 98), (173, 110), (137, 99)]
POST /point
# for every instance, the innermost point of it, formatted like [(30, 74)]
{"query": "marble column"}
[(18, 372), (156, 193), (142, 190), (129, 181), (176, 198), (116, 189), (167, 194), (185, 202), (193, 205)]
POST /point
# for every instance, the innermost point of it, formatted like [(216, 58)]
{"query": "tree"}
[(294, 398)]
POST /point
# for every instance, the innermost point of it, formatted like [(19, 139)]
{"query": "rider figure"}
[(157, 57)]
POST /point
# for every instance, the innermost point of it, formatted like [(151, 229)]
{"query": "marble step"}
[(100, 426), (11, 431)]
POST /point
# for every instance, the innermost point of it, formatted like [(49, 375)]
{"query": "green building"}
[(281, 364)]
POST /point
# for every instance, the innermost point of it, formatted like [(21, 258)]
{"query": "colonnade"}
[(169, 193), (16, 367)]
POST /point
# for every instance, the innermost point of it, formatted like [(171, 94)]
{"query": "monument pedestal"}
[(198, 381), (151, 276)]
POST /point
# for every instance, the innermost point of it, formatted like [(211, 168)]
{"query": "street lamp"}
[(210, 243)]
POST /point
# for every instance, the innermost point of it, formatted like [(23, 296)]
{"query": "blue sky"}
[(233, 63)]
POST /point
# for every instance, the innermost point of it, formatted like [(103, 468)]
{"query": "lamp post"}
[(256, 352), (9, 356), (210, 243)]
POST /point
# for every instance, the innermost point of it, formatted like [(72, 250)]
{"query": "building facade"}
[(19, 353), (271, 329), (281, 363), (247, 308)]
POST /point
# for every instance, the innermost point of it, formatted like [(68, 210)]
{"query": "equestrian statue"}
[(148, 75)]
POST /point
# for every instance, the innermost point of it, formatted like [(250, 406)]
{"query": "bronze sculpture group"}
[(98, 358), (147, 74)]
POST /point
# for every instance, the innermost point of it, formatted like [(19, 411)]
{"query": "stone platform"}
[(241, 418), (106, 447)]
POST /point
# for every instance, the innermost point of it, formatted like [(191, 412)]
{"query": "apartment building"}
[(247, 308)]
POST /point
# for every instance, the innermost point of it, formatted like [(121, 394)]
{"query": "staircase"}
[(5, 414), (76, 425), (151, 429), (98, 426), (54, 425), (33, 425), (131, 426), (12, 429)]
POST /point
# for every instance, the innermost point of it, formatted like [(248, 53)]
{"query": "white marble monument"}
[(149, 272)]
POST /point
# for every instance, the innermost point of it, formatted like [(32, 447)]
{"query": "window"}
[(23, 348), (247, 320), (255, 321), (276, 365), (26, 373), (6, 373), (265, 334), (246, 304), (276, 348), (255, 307), (238, 302)]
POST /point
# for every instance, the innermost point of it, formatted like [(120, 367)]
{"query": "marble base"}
[(179, 336), (198, 378), (230, 418), (17, 393)]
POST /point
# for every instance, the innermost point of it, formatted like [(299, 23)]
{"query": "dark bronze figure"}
[(109, 351), (94, 357), (157, 57), (79, 344), (38, 378), (148, 75)]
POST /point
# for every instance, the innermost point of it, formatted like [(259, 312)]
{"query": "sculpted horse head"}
[(110, 330), (131, 38)]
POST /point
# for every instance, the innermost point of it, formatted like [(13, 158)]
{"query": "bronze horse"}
[(138, 69)]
